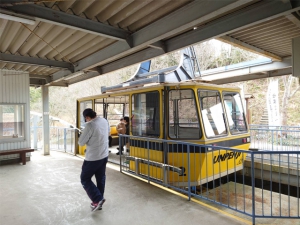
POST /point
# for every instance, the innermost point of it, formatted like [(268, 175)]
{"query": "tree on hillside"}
[(35, 99), (291, 86)]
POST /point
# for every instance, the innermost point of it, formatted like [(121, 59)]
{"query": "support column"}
[(296, 56), (46, 127)]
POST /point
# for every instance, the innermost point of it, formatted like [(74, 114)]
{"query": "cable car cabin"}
[(187, 111)]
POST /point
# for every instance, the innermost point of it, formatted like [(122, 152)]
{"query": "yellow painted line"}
[(221, 211), (192, 199)]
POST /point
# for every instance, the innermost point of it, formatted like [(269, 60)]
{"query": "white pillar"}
[(46, 127)]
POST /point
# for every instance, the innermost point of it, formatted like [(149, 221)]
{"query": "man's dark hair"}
[(90, 113), (126, 118)]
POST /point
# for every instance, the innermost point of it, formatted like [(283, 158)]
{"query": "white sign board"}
[(273, 104)]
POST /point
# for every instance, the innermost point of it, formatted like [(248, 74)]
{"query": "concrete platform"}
[(47, 190)]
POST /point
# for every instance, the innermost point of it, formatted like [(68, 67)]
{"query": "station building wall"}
[(14, 111)]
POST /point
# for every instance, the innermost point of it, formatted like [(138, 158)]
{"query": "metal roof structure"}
[(63, 42)]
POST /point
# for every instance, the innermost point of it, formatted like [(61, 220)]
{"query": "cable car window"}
[(183, 116), (235, 112), (145, 114), (212, 113), (112, 108), (99, 109), (84, 105)]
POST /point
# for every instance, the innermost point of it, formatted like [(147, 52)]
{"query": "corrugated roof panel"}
[(9, 66), (45, 40), (112, 10), (273, 36), (18, 66), (38, 70), (92, 43), (58, 39), (31, 69), (160, 12), (128, 11), (80, 6), (143, 12), (22, 35), (9, 34), (261, 26), (71, 41), (33, 39), (2, 65), (25, 67), (49, 4), (96, 8), (3, 24), (92, 49), (77, 46), (65, 5)]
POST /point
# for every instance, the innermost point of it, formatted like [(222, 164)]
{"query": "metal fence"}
[(247, 182), (61, 139), (275, 138)]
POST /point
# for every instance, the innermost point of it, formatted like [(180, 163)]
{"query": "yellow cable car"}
[(185, 110)]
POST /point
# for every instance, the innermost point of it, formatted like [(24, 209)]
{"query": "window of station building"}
[(84, 105), (12, 121), (145, 114), (183, 116), (235, 112), (212, 113)]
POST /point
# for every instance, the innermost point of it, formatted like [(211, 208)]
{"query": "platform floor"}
[(47, 190)]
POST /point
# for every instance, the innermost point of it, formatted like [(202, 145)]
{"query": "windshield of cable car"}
[(212, 113), (235, 113), (183, 116)]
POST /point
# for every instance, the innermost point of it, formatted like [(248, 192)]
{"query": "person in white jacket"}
[(95, 137)]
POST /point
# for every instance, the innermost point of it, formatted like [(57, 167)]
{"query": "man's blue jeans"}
[(89, 169)]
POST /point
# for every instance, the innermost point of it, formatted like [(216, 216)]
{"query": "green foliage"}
[(35, 99), (210, 54)]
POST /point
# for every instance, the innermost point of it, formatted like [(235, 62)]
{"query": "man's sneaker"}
[(97, 206)]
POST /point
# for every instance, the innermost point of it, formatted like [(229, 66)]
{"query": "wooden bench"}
[(21, 151)]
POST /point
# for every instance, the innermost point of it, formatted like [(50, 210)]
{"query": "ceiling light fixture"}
[(16, 18)]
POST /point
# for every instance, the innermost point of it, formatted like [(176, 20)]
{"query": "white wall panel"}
[(14, 88)]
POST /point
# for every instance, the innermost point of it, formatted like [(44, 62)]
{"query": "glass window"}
[(145, 114), (183, 116), (99, 109), (12, 121), (212, 113), (84, 105), (235, 112)]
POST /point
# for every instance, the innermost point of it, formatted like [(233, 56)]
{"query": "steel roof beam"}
[(247, 17), (36, 82), (8, 58), (254, 76), (15, 2), (179, 21), (250, 48), (250, 71), (41, 82), (159, 30), (59, 18)]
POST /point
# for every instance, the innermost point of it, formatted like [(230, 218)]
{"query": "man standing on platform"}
[(95, 137)]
